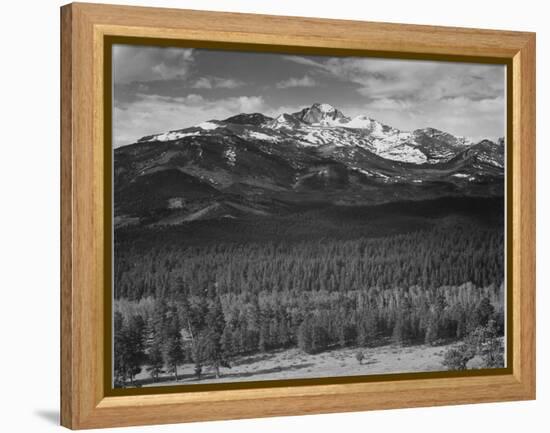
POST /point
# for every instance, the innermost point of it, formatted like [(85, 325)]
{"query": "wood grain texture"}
[(524, 209), (83, 401), (67, 394)]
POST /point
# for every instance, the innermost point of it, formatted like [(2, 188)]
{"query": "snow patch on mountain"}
[(230, 155), (261, 136), (489, 160), (363, 122), (336, 137), (464, 176), (171, 136), (176, 203), (330, 122), (326, 108), (208, 126), (437, 134), (371, 173), (312, 138), (403, 153), (281, 118)]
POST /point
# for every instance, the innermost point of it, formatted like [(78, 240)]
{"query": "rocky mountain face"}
[(253, 165), (321, 114)]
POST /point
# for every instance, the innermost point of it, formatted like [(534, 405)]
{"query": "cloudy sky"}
[(160, 89)]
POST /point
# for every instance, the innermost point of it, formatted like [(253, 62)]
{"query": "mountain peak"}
[(248, 119), (321, 113), (324, 108)]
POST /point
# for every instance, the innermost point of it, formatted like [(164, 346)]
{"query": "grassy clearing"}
[(295, 364)]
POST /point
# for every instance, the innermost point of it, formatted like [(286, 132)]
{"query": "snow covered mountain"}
[(322, 124), (252, 164)]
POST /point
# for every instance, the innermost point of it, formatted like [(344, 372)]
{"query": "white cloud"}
[(216, 83), (416, 79), (152, 114), (461, 98), (246, 104), (460, 116), (420, 80), (305, 81), (143, 63), (390, 104)]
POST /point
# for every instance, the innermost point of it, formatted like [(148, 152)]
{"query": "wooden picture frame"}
[(85, 400)]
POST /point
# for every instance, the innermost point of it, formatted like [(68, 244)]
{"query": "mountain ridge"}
[(253, 164), (316, 125)]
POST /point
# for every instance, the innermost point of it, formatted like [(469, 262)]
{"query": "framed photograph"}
[(264, 215)]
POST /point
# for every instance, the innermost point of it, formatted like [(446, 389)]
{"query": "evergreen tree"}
[(198, 354), (120, 350), (227, 342), (253, 324), (312, 335), (432, 330), (402, 330), (484, 312), (305, 336), (215, 324), (367, 328), (155, 360), (135, 335), (264, 329), (173, 353), (156, 339), (284, 332), (128, 347), (491, 349)]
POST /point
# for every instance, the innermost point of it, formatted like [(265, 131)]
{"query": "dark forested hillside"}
[(325, 249), (428, 258)]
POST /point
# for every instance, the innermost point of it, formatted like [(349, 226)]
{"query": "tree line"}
[(210, 328), (444, 256)]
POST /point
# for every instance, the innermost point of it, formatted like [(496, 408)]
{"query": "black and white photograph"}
[(281, 216)]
